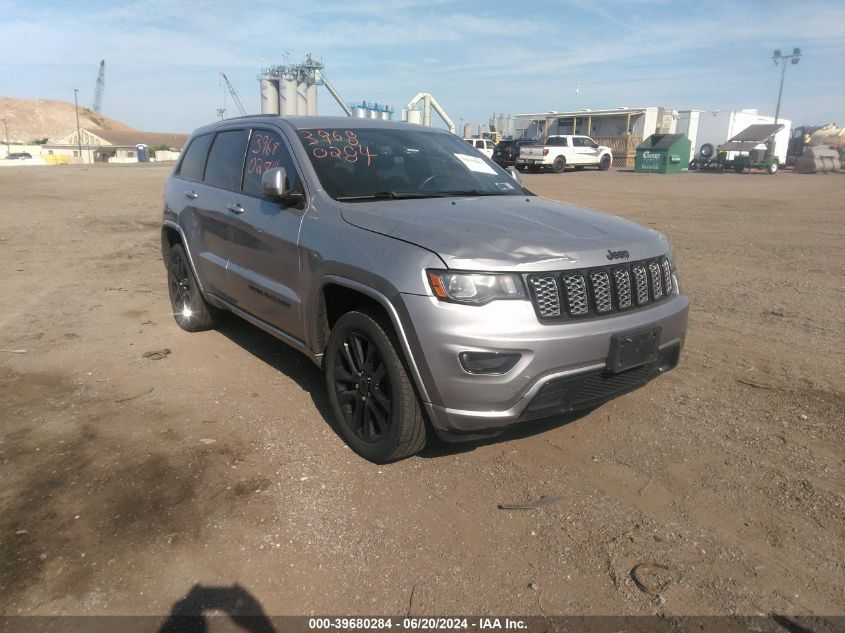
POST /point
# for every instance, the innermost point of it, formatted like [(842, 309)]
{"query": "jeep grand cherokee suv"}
[(436, 293)]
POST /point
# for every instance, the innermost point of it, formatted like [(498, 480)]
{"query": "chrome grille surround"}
[(641, 282), (600, 283), (576, 294), (622, 280), (667, 275), (656, 276), (601, 290), (546, 296)]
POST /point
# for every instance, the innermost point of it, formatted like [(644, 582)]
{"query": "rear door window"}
[(193, 164), (267, 150), (226, 160)]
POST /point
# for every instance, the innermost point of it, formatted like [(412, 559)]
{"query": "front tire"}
[(559, 165), (372, 399), (773, 169), (604, 163), (190, 309)]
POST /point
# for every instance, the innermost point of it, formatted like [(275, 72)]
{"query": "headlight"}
[(475, 288)]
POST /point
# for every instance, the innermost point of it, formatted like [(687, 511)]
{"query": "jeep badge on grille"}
[(617, 255)]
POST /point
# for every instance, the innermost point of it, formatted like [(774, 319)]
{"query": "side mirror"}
[(514, 172), (275, 185)]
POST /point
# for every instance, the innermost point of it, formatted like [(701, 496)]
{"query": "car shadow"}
[(280, 357), (191, 613), (309, 377), (517, 431)]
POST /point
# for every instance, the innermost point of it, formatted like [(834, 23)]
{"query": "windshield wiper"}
[(472, 192), (387, 195)]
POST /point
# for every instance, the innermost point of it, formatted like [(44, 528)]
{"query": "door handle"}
[(191, 194), (235, 208)]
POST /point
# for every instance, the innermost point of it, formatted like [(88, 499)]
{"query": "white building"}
[(112, 146), (622, 129)]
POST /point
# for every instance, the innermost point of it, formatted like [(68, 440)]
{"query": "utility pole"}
[(78, 132), (6, 125), (778, 57)]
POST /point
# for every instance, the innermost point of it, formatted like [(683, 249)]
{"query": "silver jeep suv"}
[(436, 293)]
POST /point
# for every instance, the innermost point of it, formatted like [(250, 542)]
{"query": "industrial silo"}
[(385, 113), (359, 111), (269, 96), (415, 116), (288, 94), (311, 98), (467, 130), (301, 95)]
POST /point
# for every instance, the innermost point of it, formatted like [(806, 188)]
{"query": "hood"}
[(507, 232)]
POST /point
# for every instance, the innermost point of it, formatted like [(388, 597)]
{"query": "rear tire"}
[(772, 169), (559, 165), (604, 163), (373, 401), (190, 309)]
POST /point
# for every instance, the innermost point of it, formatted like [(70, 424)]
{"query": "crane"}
[(235, 97), (98, 89)]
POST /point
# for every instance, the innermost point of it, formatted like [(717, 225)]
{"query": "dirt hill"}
[(30, 119)]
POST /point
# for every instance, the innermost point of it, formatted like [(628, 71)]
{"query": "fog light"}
[(488, 362)]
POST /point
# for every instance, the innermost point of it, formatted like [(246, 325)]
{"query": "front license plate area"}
[(632, 350)]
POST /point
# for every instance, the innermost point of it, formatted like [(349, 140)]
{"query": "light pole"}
[(6, 125), (78, 132), (778, 57)]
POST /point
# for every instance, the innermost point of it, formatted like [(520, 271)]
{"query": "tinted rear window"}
[(226, 160), (194, 162)]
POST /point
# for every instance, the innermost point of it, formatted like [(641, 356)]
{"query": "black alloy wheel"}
[(190, 309), (363, 388), (375, 405)]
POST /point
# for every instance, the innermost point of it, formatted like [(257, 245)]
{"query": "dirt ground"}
[(125, 480)]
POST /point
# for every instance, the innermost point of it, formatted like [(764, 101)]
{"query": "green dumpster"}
[(663, 154)]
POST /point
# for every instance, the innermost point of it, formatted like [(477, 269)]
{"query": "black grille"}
[(600, 291), (578, 392)]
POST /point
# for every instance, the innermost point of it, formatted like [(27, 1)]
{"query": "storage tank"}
[(288, 94), (467, 130), (269, 96), (415, 116), (311, 97), (385, 113), (360, 112), (301, 98)]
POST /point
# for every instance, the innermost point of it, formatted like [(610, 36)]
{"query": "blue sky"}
[(163, 57)]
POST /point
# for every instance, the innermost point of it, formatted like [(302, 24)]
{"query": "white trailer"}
[(717, 126)]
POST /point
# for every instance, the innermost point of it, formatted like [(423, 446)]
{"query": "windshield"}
[(373, 163)]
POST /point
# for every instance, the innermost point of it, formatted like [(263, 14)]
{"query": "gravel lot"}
[(126, 480)]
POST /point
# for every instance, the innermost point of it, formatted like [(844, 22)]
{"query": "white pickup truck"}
[(565, 150)]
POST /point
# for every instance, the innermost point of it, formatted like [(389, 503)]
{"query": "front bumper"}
[(561, 366)]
